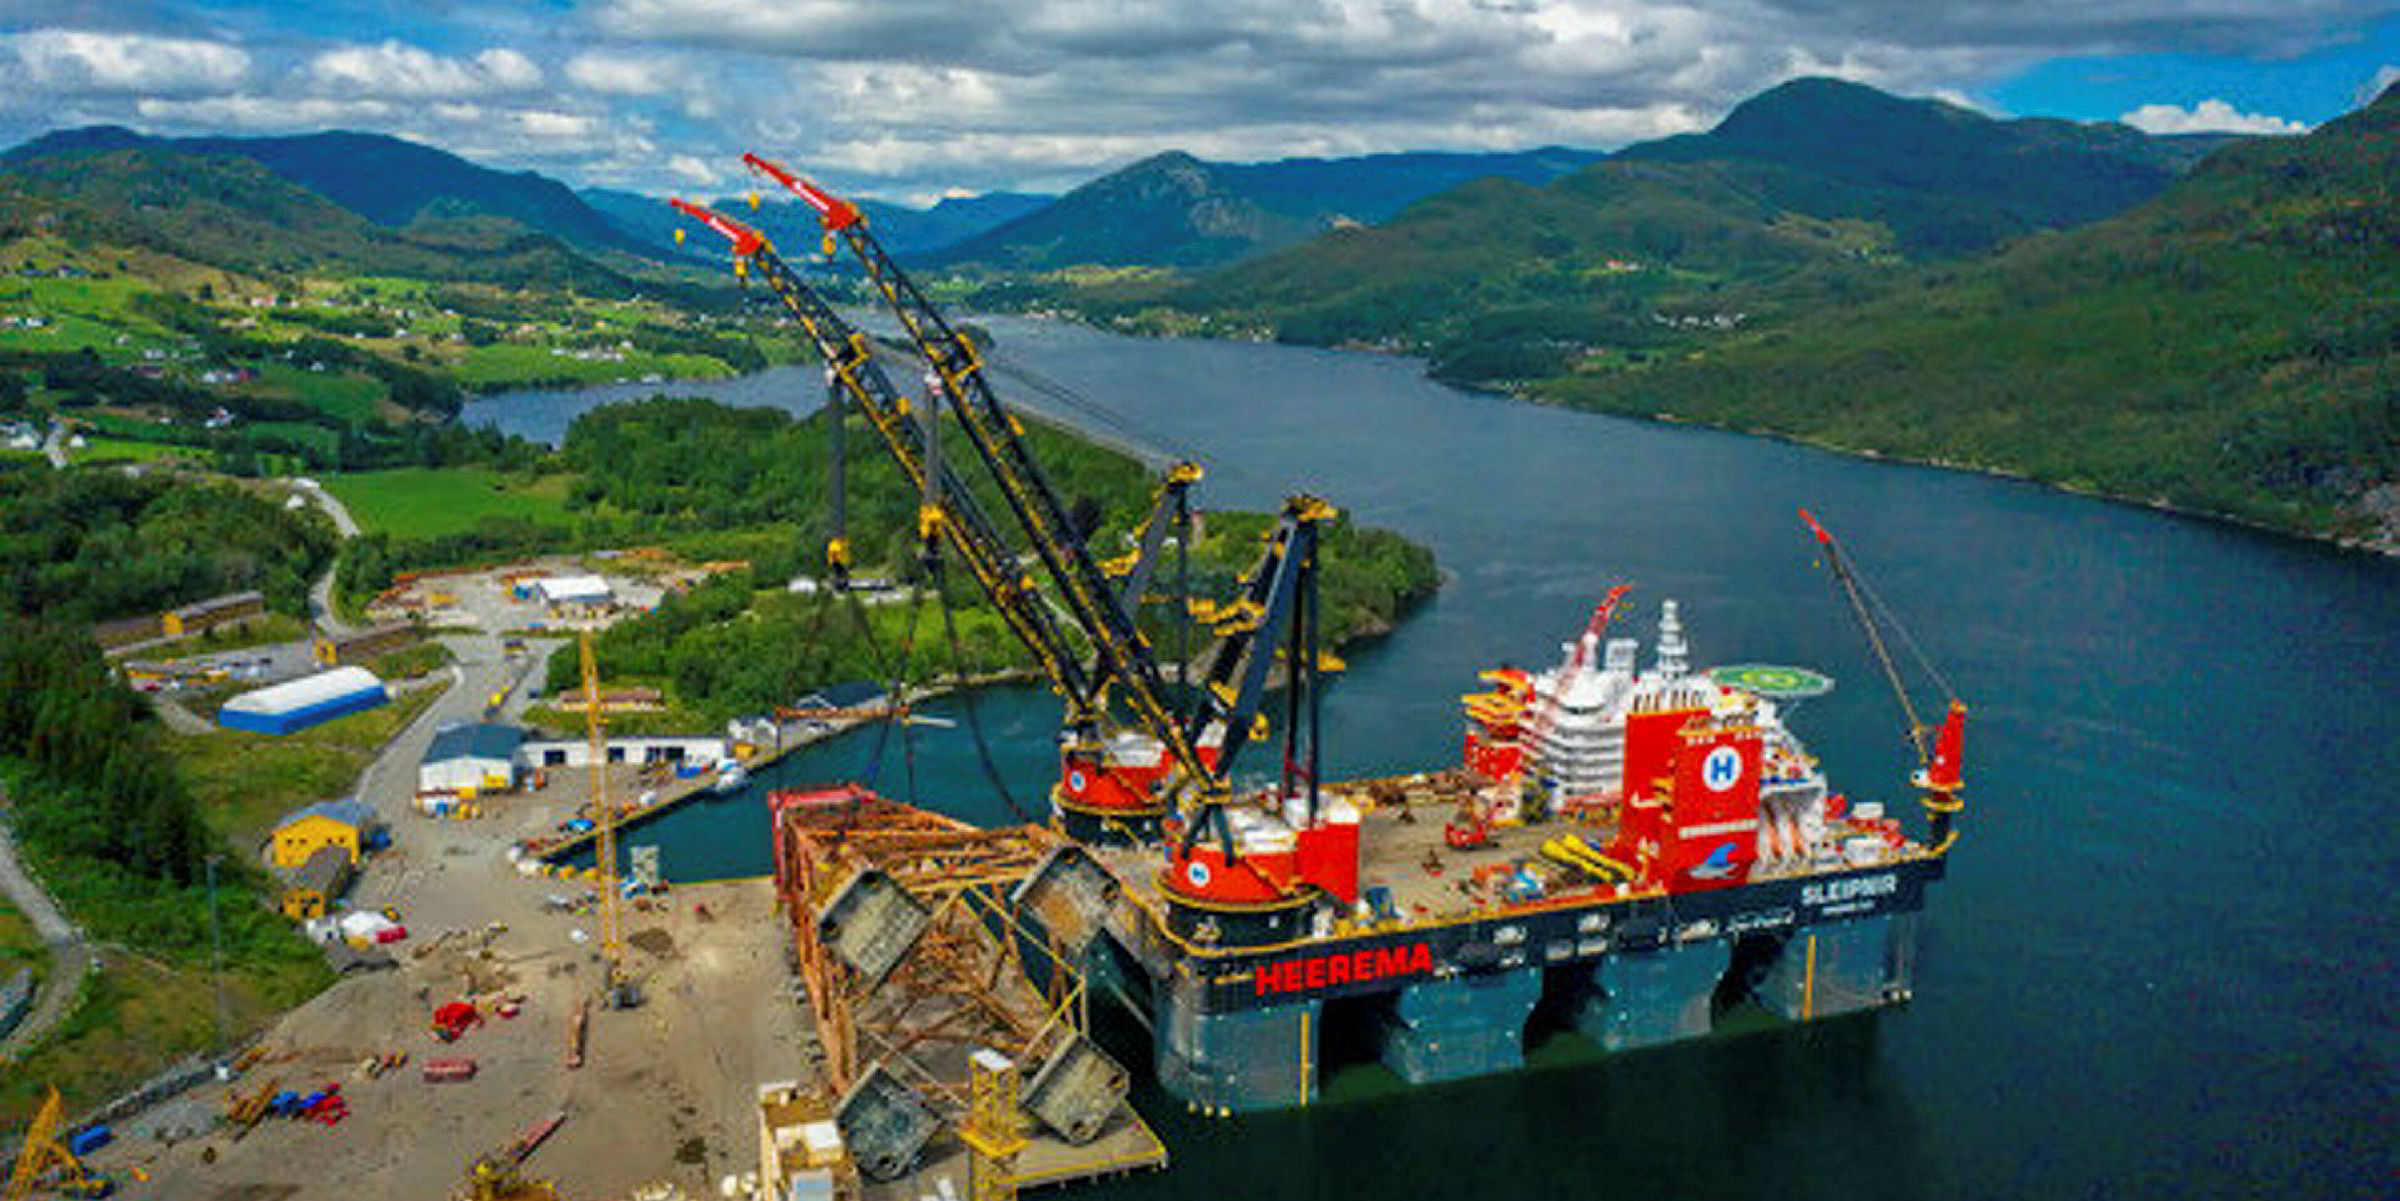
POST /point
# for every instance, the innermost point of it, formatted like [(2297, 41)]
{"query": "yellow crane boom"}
[(604, 817)]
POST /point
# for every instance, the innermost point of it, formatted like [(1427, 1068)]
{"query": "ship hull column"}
[(1842, 967), (1238, 1061), (1647, 998), (1461, 1027)]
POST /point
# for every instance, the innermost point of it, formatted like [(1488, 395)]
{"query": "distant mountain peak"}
[(1807, 106), (1167, 158)]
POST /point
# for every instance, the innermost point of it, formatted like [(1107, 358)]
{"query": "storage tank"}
[(304, 702)]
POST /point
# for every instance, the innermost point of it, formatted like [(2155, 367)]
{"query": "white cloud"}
[(397, 69), (2208, 116), (693, 170), (250, 113), (623, 74), (2382, 82), (71, 61), (908, 97), (508, 69)]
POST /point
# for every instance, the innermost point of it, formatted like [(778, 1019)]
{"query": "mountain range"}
[(390, 181), (233, 212), (1940, 178), (1807, 186), (903, 230), (1174, 210)]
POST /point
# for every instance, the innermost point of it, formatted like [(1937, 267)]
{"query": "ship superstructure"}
[(1593, 737)]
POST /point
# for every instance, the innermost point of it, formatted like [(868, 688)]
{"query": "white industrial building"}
[(301, 703), (468, 759), (583, 590), (633, 749)]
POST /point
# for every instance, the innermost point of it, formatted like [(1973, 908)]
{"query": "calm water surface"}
[(2162, 965)]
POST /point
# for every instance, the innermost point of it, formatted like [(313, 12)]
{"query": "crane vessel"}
[(1640, 844)]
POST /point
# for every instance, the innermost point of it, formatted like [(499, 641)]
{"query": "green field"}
[(504, 363), (102, 450), (346, 395), (428, 502), (81, 312)]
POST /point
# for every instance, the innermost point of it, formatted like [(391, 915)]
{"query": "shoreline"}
[(2386, 546)]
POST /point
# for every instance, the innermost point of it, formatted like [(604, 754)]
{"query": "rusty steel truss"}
[(977, 975)]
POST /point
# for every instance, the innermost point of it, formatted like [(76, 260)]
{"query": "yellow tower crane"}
[(615, 989)]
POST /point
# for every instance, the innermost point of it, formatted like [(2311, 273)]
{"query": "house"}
[(617, 700), (345, 824), (468, 759), (311, 889), (215, 611), (350, 650)]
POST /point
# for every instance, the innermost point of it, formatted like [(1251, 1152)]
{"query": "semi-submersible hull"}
[(1633, 849), (1451, 995)]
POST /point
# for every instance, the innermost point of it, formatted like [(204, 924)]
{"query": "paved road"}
[(389, 784), (320, 596), (70, 955)]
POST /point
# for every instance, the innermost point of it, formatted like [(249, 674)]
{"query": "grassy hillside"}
[(1944, 179), (235, 213), (389, 181), (2231, 347)]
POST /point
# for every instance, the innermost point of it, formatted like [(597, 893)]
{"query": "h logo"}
[(1722, 769)]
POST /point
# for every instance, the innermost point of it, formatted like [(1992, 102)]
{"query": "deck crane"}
[(1470, 827), (1171, 769), (1940, 774)]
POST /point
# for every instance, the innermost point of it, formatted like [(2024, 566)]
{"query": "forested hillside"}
[(234, 213), (85, 546), (754, 482), (2231, 347), (389, 181)]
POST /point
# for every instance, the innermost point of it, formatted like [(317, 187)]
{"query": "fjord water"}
[(2162, 965)]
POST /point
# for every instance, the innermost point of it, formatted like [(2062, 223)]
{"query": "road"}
[(320, 595), (70, 955), (483, 667)]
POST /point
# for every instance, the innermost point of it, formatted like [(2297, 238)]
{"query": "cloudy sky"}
[(910, 99)]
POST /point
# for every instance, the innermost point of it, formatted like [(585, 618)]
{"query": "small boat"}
[(730, 779)]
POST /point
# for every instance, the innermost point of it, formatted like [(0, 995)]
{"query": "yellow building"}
[(344, 824), (311, 889), (215, 611)]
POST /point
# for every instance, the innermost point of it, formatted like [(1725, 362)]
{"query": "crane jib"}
[(1281, 585)]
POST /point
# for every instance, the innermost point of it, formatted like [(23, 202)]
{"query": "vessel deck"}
[(1402, 849)]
